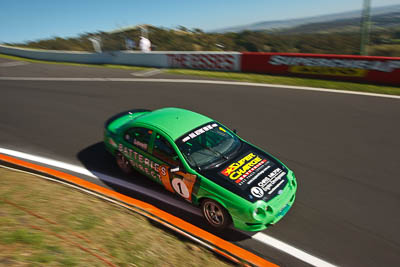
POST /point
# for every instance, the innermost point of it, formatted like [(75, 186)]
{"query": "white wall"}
[(223, 61)]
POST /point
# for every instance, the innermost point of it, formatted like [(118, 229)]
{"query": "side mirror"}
[(175, 169)]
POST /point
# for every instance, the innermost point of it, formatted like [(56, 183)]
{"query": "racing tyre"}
[(123, 163), (216, 215)]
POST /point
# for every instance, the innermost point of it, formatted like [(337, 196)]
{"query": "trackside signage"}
[(205, 61), (341, 67)]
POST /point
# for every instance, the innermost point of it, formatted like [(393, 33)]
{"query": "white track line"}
[(197, 82), (147, 73), (295, 252), (103, 177), (260, 237), (13, 63)]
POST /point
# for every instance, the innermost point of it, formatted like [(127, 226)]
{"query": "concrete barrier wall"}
[(50, 55), (381, 70), (222, 61), (154, 59)]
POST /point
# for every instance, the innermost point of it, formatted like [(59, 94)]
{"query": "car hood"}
[(250, 173)]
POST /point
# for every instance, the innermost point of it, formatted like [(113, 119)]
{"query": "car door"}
[(172, 173), (136, 147)]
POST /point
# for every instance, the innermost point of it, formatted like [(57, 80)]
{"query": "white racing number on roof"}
[(199, 131)]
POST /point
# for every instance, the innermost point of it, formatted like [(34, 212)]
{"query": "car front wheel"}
[(216, 215)]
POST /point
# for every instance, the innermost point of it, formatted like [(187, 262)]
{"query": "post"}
[(365, 26), (96, 42)]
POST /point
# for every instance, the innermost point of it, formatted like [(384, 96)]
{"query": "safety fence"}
[(379, 70)]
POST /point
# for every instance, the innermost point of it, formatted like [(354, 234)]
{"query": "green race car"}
[(204, 162)]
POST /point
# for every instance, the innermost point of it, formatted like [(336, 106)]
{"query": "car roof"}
[(173, 121)]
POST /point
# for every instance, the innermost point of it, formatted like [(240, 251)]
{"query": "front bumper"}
[(275, 211)]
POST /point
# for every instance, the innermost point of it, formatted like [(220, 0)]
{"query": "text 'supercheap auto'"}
[(207, 164)]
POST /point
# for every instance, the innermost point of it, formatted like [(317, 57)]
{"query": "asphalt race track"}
[(343, 148)]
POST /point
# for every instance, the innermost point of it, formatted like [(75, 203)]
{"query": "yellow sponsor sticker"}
[(232, 168), (329, 71)]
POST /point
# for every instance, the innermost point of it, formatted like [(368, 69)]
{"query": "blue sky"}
[(23, 20)]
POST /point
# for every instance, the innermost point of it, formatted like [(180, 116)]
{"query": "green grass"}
[(22, 236), (41, 258), (68, 261), (83, 219), (292, 81), (253, 78), (110, 231)]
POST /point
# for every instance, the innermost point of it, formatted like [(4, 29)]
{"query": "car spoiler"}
[(116, 116)]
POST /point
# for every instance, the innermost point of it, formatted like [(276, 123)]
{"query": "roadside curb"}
[(226, 249)]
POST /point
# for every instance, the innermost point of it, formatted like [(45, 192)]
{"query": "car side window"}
[(139, 137), (163, 150)]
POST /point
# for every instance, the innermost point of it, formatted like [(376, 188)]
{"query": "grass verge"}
[(294, 81), (72, 217), (251, 77)]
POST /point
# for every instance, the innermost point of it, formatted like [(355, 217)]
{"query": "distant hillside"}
[(338, 37), (349, 17), (378, 22)]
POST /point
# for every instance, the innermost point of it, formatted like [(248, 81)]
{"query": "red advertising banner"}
[(380, 70)]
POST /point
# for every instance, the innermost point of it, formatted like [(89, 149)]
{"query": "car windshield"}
[(206, 146)]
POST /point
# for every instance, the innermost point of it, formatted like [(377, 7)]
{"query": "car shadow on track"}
[(102, 164)]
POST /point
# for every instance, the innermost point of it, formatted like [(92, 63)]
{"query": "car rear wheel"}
[(216, 215), (123, 163)]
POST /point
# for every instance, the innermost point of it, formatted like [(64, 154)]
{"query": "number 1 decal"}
[(180, 182), (180, 187), (183, 184)]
